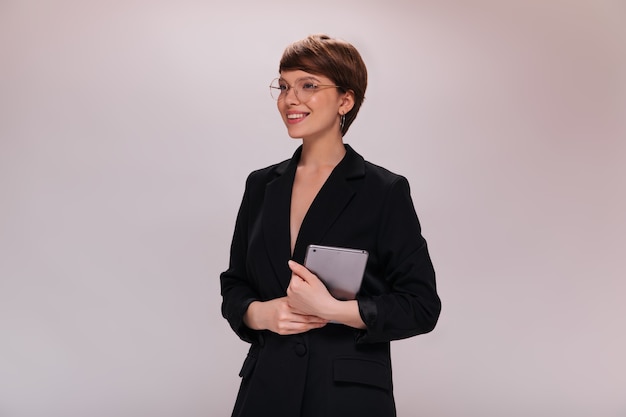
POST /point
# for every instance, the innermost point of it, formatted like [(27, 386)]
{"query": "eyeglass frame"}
[(283, 93)]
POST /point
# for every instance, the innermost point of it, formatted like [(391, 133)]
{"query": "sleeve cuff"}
[(244, 332), (368, 312)]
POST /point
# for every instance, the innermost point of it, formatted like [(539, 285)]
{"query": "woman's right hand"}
[(277, 316)]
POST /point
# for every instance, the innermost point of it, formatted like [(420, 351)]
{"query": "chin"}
[(294, 134)]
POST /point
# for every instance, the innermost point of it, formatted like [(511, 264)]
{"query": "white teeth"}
[(296, 116)]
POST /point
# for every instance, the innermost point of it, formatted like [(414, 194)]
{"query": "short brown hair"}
[(332, 58)]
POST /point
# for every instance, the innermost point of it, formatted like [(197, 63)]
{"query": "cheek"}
[(324, 103), (281, 108)]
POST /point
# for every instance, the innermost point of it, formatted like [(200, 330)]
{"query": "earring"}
[(342, 121)]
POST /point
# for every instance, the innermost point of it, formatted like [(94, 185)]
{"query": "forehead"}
[(293, 76)]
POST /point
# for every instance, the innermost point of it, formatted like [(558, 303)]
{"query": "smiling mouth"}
[(297, 116)]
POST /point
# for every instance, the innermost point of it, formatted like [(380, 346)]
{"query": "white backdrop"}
[(127, 129)]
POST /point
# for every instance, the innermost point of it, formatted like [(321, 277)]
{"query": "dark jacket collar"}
[(352, 165), (334, 196)]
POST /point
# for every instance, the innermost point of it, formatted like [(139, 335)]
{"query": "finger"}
[(302, 272), (297, 269), (307, 318), (296, 328), (295, 281)]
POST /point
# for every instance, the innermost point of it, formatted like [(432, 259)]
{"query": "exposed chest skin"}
[(306, 186)]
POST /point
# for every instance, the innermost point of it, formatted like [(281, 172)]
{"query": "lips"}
[(296, 117)]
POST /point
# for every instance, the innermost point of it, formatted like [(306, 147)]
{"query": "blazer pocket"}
[(362, 371), (248, 366)]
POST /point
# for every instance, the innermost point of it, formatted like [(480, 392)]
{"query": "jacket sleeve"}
[(411, 305), (237, 293)]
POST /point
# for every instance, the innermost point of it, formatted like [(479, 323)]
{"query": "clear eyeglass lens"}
[(275, 89), (303, 89)]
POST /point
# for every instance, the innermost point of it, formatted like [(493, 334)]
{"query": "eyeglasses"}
[(304, 88)]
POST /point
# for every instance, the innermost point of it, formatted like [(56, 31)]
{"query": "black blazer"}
[(335, 370)]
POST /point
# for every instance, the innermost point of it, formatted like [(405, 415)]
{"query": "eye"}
[(309, 85), (283, 87)]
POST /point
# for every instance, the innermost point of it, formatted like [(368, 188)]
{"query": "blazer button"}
[(300, 349)]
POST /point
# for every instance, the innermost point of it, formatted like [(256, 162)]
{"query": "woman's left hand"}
[(307, 294)]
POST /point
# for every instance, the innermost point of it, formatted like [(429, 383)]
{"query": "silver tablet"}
[(340, 269)]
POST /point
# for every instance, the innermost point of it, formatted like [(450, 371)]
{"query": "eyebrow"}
[(302, 78)]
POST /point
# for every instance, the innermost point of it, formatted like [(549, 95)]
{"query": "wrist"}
[(251, 316), (345, 312), (333, 310)]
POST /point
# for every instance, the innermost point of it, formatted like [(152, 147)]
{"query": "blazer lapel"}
[(276, 212), (330, 202)]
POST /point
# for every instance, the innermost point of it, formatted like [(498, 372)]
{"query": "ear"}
[(346, 102)]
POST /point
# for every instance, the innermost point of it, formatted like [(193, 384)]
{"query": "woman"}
[(311, 354)]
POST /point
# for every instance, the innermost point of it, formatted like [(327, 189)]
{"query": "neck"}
[(322, 153)]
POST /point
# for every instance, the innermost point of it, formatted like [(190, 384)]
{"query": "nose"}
[(291, 96)]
